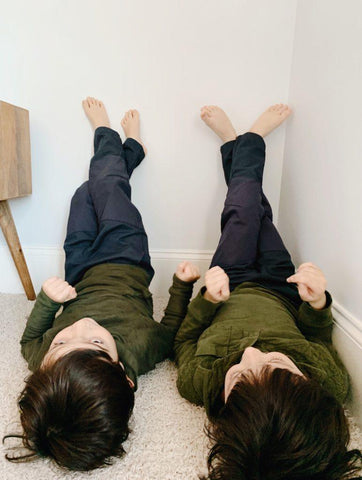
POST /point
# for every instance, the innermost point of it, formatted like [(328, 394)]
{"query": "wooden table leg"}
[(12, 239)]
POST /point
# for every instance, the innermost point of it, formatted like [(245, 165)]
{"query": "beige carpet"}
[(167, 441)]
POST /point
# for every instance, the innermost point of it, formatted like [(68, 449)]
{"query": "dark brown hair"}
[(76, 411), (279, 425)]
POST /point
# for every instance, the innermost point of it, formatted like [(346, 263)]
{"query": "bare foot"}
[(131, 126), (96, 112), (219, 122), (270, 119)]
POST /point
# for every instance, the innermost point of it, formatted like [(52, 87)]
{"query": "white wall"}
[(167, 58), (320, 213)]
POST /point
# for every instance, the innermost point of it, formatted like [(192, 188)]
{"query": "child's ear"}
[(130, 382), (128, 379)]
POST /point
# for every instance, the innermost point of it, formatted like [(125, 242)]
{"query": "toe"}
[(287, 110)]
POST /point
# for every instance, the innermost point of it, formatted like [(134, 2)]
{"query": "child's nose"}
[(252, 353), (79, 327)]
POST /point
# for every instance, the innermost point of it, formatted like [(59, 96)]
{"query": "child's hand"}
[(311, 285), (58, 290), (217, 285), (187, 272)]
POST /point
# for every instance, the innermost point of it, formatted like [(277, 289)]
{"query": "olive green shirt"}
[(118, 298), (213, 337)]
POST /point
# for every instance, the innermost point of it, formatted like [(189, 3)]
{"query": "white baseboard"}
[(347, 338), (350, 325), (165, 263), (44, 262)]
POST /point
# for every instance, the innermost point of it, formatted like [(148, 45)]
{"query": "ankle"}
[(228, 138), (257, 131), (101, 124)]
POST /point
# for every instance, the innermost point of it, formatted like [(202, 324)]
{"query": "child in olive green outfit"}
[(76, 406), (255, 346)]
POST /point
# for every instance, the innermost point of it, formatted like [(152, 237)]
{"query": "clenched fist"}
[(311, 284), (58, 290), (187, 272), (217, 285)]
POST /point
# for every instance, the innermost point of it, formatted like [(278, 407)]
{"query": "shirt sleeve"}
[(193, 374), (40, 320), (199, 317), (180, 294), (316, 324)]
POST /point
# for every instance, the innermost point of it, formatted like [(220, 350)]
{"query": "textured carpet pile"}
[(167, 440)]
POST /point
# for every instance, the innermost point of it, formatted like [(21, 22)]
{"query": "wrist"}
[(209, 298), (177, 280), (320, 303), (185, 280), (48, 297)]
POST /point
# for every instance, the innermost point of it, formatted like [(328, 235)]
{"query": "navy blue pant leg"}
[(134, 154), (104, 226), (250, 247), (82, 230), (243, 211)]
